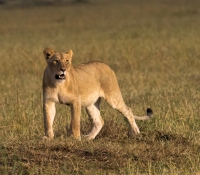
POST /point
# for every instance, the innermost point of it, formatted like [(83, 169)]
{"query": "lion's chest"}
[(58, 96), (64, 98)]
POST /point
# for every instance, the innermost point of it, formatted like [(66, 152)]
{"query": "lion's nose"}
[(63, 69)]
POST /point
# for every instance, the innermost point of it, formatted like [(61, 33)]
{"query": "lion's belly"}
[(90, 98), (86, 98)]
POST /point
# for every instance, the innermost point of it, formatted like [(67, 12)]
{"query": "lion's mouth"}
[(60, 77)]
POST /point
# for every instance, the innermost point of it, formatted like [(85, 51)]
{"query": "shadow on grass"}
[(104, 154)]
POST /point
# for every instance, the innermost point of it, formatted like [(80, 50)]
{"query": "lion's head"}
[(59, 63)]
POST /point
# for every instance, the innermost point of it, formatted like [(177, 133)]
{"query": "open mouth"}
[(60, 77)]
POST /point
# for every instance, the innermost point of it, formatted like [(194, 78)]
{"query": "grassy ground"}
[(154, 48)]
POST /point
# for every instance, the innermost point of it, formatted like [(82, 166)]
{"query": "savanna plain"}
[(154, 48)]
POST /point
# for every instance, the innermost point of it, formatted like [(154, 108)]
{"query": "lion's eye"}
[(55, 61), (67, 61)]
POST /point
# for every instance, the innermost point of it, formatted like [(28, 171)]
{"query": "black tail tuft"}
[(149, 112)]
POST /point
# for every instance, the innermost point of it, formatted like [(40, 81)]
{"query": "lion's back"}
[(97, 70), (96, 76)]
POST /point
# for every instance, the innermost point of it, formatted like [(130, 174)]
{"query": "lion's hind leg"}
[(94, 113), (117, 102)]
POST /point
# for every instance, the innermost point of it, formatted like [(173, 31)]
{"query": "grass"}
[(154, 49)]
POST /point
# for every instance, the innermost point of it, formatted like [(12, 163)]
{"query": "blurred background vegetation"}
[(154, 48), (37, 2)]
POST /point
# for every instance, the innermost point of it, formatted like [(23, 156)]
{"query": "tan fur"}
[(81, 86)]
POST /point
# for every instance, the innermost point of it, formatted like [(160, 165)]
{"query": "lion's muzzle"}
[(60, 77)]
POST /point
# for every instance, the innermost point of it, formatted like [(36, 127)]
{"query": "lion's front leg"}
[(75, 119), (49, 115)]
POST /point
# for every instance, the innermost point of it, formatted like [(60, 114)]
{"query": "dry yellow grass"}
[(153, 48)]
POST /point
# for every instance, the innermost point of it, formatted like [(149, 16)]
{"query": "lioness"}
[(81, 86)]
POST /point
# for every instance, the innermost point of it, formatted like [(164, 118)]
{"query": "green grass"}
[(154, 48)]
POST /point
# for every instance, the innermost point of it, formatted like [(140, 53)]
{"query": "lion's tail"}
[(148, 116)]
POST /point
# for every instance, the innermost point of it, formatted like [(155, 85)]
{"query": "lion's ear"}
[(48, 53), (70, 53)]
